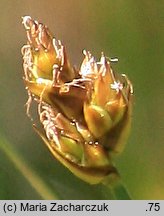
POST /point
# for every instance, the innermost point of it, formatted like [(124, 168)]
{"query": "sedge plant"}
[(84, 114)]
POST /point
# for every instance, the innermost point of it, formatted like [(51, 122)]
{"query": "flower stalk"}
[(84, 115)]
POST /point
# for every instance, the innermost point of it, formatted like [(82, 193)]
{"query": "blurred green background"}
[(132, 31)]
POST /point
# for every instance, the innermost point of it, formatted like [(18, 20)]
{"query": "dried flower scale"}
[(84, 114)]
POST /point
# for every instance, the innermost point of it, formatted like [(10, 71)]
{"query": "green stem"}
[(115, 184), (121, 192), (35, 181)]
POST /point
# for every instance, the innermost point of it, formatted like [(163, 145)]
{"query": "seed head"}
[(85, 114)]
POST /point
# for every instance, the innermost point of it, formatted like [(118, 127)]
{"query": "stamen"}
[(113, 60), (117, 86), (27, 21)]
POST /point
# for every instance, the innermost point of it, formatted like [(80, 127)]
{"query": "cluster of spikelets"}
[(85, 114)]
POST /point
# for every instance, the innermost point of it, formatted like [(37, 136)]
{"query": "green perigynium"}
[(85, 114)]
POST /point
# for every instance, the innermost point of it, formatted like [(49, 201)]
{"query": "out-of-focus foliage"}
[(132, 31)]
